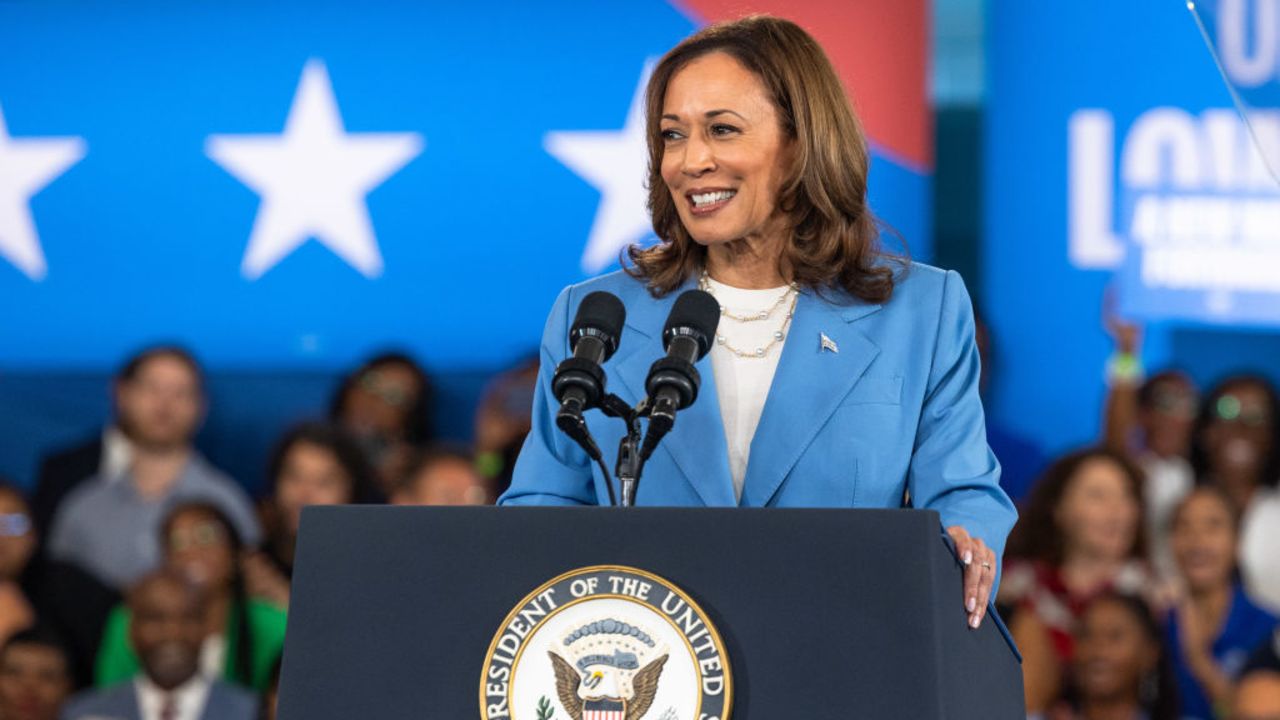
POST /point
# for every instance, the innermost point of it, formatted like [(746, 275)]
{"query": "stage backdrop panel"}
[(1096, 110), (292, 184)]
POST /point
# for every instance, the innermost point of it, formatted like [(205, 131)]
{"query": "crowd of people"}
[(137, 580), (1143, 577)]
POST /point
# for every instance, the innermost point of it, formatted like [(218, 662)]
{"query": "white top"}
[(188, 698), (117, 454), (742, 384), (213, 655), (1168, 482), (1259, 538)]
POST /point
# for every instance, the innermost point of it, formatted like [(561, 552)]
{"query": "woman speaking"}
[(840, 376)]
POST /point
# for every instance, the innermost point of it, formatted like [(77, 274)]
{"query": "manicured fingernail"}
[(973, 621), (968, 557), (972, 604)]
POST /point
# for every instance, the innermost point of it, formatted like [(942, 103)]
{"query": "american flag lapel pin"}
[(828, 343)]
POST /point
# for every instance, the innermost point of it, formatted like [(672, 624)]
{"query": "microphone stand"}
[(630, 463)]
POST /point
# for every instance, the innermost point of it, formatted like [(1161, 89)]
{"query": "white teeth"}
[(713, 197)]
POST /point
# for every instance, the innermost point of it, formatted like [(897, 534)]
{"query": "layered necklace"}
[(792, 294)]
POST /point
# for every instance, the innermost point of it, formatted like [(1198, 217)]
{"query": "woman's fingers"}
[(984, 565), (979, 572)]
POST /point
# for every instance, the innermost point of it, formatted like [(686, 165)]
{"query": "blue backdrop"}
[(477, 223), (286, 187), (1088, 105)]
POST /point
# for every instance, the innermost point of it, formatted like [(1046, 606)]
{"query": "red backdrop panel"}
[(879, 47)]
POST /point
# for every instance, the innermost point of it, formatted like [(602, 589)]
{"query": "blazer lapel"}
[(696, 444), (129, 704), (823, 357), (213, 704)]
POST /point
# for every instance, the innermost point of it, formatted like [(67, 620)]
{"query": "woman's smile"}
[(705, 201)]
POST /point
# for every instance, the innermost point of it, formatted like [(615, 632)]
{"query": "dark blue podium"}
[(822, 613)]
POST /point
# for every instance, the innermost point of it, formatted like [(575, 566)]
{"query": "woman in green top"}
[(245, 636)]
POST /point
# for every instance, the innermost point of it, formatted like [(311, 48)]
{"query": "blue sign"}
[(1201, 209), (1118, 161)]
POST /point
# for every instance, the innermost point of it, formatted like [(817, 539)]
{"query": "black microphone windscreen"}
[(600, 314), (695, 313)]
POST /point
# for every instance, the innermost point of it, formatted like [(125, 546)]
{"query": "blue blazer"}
[(895, 409)]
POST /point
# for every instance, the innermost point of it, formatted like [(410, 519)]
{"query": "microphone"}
[(579, 380), (673, 381)]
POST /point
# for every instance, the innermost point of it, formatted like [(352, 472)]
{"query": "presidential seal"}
[(606, 643)]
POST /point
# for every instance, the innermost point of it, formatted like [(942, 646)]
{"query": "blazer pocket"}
[(875, 391)]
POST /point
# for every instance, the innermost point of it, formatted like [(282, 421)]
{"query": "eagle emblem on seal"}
[(607, 670)]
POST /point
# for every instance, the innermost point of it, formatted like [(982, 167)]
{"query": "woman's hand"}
[(263, 581), (1197, 639), (979, 572)]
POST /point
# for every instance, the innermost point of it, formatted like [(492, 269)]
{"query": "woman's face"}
[(724, 152), (1113, 653), (1203, 540), (33, 682), (379, 401), (1238, 436), (1169, 420), (310, 475), (17, 538), (1098, 514), (199, 548)]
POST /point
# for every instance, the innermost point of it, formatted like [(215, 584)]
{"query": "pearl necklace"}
[(793, 292)]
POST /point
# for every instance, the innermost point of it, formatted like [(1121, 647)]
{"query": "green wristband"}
[(1124, 369)]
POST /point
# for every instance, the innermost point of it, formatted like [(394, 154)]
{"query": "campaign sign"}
[(1201, 211)]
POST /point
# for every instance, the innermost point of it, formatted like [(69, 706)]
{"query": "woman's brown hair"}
[(1037, 536), (834, 234)]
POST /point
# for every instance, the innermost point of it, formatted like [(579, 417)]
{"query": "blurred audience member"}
[(243, 636), (1021, 460), (1079, 537), (1152, 420), (443, 475), (386, 406), (1217, 626), (1258, 693), (313, 464), (35, 676), (502, 422), (105, 455), (1258, 696), (109, 525), (167, 629), (17, 543), (1237, 448), (1120, 670)]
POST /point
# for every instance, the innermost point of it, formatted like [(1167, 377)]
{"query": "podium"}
[(824, 613)]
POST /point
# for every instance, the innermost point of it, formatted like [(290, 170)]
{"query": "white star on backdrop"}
[(615, 162), (26, 166), (313, 179)]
